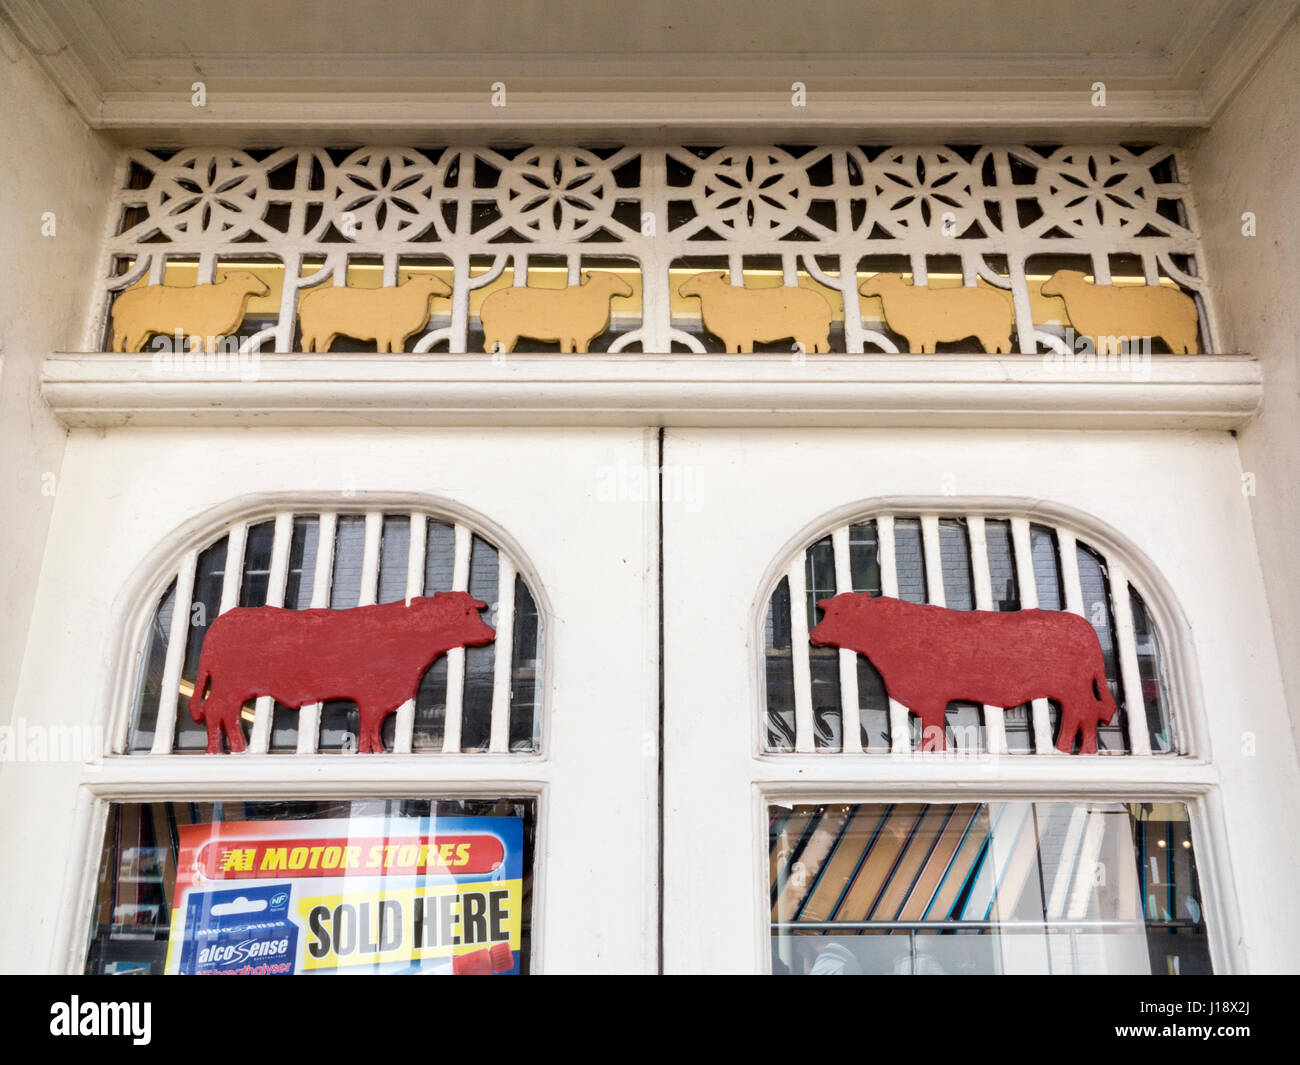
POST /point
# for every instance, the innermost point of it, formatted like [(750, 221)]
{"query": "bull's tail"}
[(1108, 705), (200, 688)]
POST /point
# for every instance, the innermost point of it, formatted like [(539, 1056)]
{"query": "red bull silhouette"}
[(372, 655), (929, 656)]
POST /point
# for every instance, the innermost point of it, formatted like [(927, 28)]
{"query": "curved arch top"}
[(300, 552), (968, 553)]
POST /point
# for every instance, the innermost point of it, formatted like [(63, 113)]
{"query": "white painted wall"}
[(1247, 162), (52, 163)]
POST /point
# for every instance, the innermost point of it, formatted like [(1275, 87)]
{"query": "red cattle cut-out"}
[(372, 655), (929, 656)]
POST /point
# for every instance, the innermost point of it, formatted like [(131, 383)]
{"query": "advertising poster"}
[(409, 895)]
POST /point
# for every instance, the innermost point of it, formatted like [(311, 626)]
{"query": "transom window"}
[(472, 699), (832, 699)]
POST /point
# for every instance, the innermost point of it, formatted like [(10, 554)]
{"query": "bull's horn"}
[(479, 604), (825, 604)]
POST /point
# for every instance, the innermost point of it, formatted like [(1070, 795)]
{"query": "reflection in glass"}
[(996, 887)]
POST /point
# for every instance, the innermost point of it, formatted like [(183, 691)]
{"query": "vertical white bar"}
[(234, 574), (503, 656), (900, 731), (233, 578), (803, 714), (260, 740), (1068, 550), (1022, 545), (850, 712), (414, 587), (309, 715), (933, 555), (456, 656), (369, 592), (165, 726), (1139, 738), (995, 732)]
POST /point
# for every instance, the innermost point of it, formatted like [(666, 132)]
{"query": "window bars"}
[(483, 699), (832, 699), (820, 217)]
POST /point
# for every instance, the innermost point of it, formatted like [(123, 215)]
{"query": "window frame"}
[(1189, 777), (122, 777)]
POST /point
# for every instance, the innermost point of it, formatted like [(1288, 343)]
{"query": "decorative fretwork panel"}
[(824, 218)]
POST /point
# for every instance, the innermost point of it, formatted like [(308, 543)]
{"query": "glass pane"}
[(779, 671), (258, 543), (1002, 565), (864, 558), (909, 560), (1149, 669), (1047, 568), (394, 558), (149, 681), (525, 695), (954, 549), (823, 662), (209, 575), (349, 554), (438, 887), (476, 707), (982, 888), (1095, 585)]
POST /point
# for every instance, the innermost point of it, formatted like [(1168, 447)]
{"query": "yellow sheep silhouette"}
[(388, 316), (203, 313), (1110, 314), (741, 316), (924, 316), (573, 316)]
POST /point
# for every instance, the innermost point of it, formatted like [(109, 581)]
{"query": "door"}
[(782, 840)]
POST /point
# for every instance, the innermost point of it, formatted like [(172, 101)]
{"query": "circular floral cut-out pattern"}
[(556, 195), (222, 193), (764, 190), (911, 191), (386, 193), (1090, 192)]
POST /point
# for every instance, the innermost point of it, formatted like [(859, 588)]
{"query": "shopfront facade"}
[(652, 504)]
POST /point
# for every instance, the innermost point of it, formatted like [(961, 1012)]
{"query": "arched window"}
[(471, 699), (833, 699)]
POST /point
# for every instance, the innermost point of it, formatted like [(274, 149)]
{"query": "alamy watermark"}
[(1124, 355), (220, 355), (23, 742)]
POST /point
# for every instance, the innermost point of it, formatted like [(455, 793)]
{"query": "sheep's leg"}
[(580, 346)]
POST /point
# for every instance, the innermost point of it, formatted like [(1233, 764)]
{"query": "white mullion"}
[(932, 556), (368, 594), (1023, 549), (900, 731), (233, 577), (164, 732), (309, 715), (850, 711), (503, 656), (405, 727), (1068, 552), (456, 656), (1139, 738), (802, 671), (260, 739), (995, 730)]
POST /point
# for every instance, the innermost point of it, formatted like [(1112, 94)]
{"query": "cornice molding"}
[(975, 391), (286, 97)]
